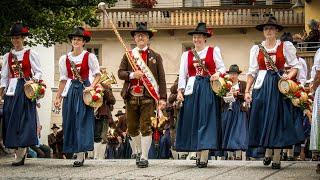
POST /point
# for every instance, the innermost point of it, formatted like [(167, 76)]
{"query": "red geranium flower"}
[(86, 33), (42, 90), (25, 30), (223, 75), (210, 31), (228, 86), (297, 94), (95, 97)]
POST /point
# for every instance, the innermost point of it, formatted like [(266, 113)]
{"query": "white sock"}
[(100, 151), (80, 156), (20, 153), (268, 153), (230, 154), (276, 155), (239, 154), (290, 152), (136, 144), (204, 155), (145, 146), (133, 146)]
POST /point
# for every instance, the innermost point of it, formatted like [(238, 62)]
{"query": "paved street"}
[(159, 169)]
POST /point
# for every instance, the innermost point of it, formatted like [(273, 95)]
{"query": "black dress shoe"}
[(203, 164), (284, 157), (197, 162), (276, 165), (133, 156), (138, 156), (143, 163), (78, 163), (19, 163), (266, 161), (290, 158)]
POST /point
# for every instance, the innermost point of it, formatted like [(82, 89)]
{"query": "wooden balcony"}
[(187, 18)]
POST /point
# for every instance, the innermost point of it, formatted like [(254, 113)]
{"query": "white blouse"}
[(93, 63), (183, 72), (34, 61), (303, 71), (316, 65), (289, 52)]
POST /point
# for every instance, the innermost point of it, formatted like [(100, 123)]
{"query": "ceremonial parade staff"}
[(199, 124), (77, 117), (20, 66), (142, 88), (315, 125), (234, 116), (271, 123)]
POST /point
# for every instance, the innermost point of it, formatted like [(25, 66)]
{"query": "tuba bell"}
[(107, 79)]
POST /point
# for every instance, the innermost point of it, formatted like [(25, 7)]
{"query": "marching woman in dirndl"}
[(315, 124), (77, 117), (271, 123), (199, 124), (20, 66)]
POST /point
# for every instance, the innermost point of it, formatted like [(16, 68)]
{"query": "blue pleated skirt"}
[(78, 120), (199, 124), (272, 123), (20, 119), (234, 128)]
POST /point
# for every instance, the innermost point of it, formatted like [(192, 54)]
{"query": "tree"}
[(49, 21)]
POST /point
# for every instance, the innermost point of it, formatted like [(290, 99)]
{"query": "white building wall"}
[(44, 112)]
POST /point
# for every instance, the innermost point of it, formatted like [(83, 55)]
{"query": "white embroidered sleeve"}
[(218, 60), (94, 64), (63, 68), (183, 72), (290, 54), (317, 61), (35, 65), (5, 71), (253, 62)]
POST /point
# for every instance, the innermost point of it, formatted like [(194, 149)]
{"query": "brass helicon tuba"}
[(107, 78)]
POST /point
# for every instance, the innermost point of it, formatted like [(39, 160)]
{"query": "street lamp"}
[(298, 7)]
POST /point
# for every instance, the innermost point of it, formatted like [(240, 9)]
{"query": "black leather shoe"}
[(276, 165), (203, 164), (290, 158), (266, 161), (197, 162), (19, 163), (78, 163), (133, 156), (143, 163), (138, 156)]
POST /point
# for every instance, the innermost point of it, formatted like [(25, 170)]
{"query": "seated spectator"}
[(313, 36)]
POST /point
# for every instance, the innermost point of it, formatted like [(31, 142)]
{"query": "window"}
[(95, 49), (193, 3)]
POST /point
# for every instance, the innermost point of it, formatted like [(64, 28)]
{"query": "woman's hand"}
[(180, 96), (215, 76), (247, 97), (87, 89), (57, 101)]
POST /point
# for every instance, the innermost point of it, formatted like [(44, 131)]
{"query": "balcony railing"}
[(182, 18)]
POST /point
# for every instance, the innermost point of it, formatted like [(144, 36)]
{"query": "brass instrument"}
[(107, 79)]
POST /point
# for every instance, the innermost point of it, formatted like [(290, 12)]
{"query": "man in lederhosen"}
[(140, 99)]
